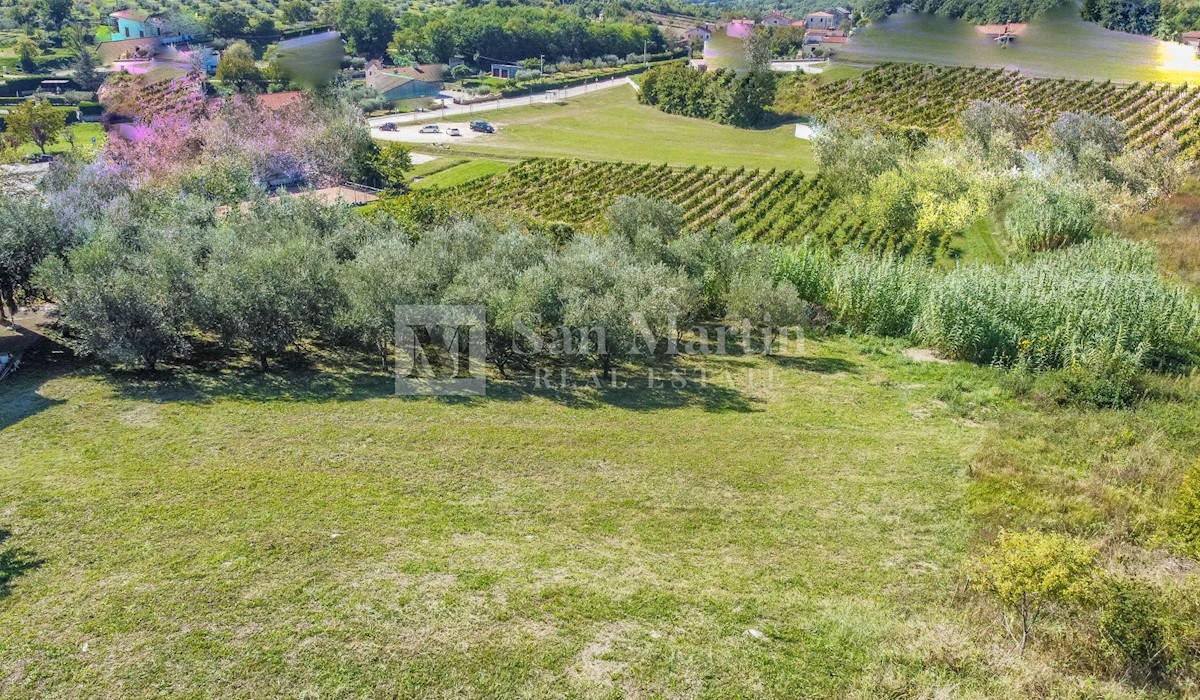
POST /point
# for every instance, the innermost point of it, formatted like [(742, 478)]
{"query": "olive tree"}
[(28, 234), (615, 306), (267, 295), (125, 305)]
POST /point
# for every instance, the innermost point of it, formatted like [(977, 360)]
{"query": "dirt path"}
[(27, 333)]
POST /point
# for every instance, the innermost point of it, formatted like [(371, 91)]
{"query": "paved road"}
[(454, 110)]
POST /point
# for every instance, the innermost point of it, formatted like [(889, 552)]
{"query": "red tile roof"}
[(275, 101)]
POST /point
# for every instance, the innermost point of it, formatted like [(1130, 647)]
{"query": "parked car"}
[(430, 129), (454, 132), (482, 127), (38, 158), (390, 126)]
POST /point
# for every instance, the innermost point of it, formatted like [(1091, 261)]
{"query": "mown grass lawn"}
[(88, 136), (611, 125), (461, 173), (249, 535)]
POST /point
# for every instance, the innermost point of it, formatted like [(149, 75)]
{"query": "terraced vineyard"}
[(932, 97), (765, 205)]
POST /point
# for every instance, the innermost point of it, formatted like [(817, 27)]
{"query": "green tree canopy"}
[(36, 121)]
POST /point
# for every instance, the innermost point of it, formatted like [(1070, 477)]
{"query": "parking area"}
[(415, 133)]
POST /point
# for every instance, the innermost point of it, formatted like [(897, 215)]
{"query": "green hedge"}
[(12, 86), (558, 84)]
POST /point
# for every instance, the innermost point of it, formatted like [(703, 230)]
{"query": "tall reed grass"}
[(1099, 305)]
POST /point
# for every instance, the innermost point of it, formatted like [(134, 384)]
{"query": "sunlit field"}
[(611, 125)]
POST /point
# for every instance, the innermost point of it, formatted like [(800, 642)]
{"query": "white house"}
[(776, 19)]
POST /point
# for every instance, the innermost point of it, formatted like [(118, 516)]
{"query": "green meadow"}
[(249, 535), (611, 125)]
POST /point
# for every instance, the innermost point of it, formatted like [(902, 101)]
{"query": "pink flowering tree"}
[(224, 148)]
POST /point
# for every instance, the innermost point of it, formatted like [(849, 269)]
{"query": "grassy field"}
[(87, 136), (1059, 44), (461, 173), (611, 125), (245, 535)]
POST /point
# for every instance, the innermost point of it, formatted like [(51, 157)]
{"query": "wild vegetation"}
[(516, 33), (977, 11), (1165, 19)]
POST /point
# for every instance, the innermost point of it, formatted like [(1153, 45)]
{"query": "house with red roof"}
[(276, 101)]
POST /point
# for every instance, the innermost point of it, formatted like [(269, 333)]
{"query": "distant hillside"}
[(1165, 19), (977, 11)]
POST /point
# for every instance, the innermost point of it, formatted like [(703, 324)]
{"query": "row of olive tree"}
[(141, 289)]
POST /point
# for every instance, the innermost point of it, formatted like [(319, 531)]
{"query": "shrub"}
[(754, 296), (1063, 309), (1131, 624), (1186, 520), (877, 295), (865, 293), (1046, 216), (1030, 572)]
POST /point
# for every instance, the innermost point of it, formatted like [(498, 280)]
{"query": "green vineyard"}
[(763, 205), (932, 97)]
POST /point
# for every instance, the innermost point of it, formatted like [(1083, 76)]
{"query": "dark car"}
[(390, 126), (483, 127)]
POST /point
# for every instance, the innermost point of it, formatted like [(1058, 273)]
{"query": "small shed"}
[(506, 71), (55, 86)]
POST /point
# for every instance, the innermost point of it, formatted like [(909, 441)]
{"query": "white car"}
[(430, 129), (454, 132)]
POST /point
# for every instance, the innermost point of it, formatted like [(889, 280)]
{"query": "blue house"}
[(132, 24)]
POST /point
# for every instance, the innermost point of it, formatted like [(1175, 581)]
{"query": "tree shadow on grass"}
[(820, 365), (20, 395), (328, 377), (13, 563), (321, 375)]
